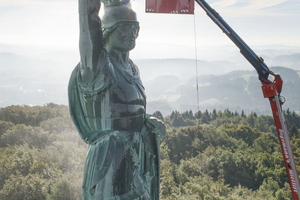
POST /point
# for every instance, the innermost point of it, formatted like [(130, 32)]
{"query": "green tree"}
[(4, 126), (61, 190), (158, 115), (168, 185), (204, 119), (243, 114), (214, 114), (294, 132), (19, 187), (22, 134), (251, 119), (198, 115), (268, 189), (266, 142)]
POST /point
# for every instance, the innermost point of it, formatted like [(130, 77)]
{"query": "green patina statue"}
[(108, 107)]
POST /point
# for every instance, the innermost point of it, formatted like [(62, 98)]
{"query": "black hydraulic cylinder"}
[(246, 51)]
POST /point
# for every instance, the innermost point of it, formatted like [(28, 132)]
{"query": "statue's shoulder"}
[(135, 68), (103, 67), (73, 77)]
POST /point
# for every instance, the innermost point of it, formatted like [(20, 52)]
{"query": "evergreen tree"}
[(243, 114), (294, 132), (158, 115), (214, 114)]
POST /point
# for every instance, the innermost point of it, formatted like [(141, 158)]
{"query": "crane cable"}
[(197, 88), (196, 63)]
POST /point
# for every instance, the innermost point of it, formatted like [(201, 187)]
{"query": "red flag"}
[(170, 6)]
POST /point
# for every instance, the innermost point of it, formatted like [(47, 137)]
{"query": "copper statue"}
[(108, 107)]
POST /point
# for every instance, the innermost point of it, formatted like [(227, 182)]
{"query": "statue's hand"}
[(94, 5), (157, 126), (89, 6)]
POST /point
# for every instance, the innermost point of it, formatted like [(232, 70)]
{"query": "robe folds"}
[(110, 115)]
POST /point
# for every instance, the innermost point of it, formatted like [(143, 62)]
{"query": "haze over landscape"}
[(221, 143), (39, 49)]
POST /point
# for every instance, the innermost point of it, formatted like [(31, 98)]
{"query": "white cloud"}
[(223, 3), (250, 4), (237, 8), (38, 22)]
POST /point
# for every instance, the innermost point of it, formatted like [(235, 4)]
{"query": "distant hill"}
[(170, 83), (237, 90), (183, 68), (293, 60)]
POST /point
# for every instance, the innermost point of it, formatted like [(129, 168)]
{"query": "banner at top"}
[(170, 6)]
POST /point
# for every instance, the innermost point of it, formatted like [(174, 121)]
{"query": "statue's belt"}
[(126, 123)]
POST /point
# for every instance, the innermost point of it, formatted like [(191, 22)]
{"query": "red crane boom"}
[(271, 89)]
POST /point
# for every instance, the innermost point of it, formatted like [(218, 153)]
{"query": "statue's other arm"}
[(157, 126), (90, 38)]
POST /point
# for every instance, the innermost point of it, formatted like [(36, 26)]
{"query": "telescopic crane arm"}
[(246, 51), (271, 90)]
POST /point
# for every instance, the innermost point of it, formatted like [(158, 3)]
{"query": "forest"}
[(205, 155)]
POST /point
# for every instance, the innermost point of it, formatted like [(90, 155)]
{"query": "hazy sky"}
[(54, 24)]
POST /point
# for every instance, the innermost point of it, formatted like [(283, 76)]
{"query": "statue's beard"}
[(129, 42)]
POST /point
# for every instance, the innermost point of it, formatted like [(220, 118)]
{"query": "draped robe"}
[(110, 113)]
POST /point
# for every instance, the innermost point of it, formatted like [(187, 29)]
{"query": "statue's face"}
[(123, 37)]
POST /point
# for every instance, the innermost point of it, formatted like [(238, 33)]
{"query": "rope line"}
[(197, 86), (196, 63)]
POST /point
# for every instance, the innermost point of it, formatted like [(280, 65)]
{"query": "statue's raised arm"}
[(90, 38)]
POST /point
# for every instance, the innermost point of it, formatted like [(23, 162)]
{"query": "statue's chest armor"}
[(121, 106), (126, 99)]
